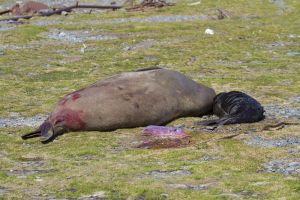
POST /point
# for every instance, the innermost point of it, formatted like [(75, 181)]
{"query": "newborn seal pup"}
[(235, 107), (153, 96)]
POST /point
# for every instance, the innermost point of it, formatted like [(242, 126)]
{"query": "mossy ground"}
[(241, 55)]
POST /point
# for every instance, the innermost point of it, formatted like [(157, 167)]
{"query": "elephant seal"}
[(235, 107), (29, 7), (153, 96)]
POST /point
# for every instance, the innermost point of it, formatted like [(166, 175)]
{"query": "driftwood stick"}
[(59, 11), (279, 125)]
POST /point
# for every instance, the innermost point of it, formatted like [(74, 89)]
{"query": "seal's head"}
[(47, 132)]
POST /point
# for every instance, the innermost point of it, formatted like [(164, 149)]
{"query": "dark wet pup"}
[(235, 107)]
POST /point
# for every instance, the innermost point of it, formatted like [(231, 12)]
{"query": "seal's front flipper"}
[(229, 120), (221, 121), (33, 134)]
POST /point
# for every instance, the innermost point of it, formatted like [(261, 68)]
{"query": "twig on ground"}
[(278, 126), (221, 138)]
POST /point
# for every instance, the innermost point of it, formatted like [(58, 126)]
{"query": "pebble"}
[(209, 31)]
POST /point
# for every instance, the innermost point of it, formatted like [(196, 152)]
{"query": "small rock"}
[(260, 183), (195, 3), (82, 50), (38, 180), (64, 13), (164, 195), (209, 31)]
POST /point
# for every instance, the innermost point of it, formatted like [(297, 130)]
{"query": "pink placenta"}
[(164, 132), (163, 137)]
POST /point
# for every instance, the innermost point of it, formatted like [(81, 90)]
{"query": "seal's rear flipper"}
[(33, 134), (45, 132)]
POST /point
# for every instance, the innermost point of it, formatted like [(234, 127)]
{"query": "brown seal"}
[(29, 7), (152, 96)]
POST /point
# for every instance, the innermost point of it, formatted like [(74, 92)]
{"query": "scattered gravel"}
[(155, 19), (22, 173), (278, 44), (206, 158), (97, 195), (151, 19), (2, 190), (150, 58), (283, 166), (188, 186), (16, 121), (75, 36), (258, 141), (296, 99), (282, 111), (140, 45), (293, 53), (280, 3), (4, 26), (166, 174), (47, 22)]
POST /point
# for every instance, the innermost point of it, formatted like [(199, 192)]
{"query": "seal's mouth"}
[(45, 132)]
